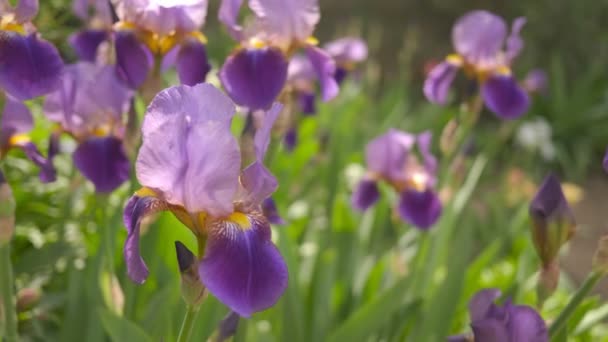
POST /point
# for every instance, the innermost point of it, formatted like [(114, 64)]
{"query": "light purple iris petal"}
[(438, 82), (424, 141), (365, 195), (347, 50), (86, 42), (29, 66), (421, 209), (47, 171), (191, 62), (133, 59), (514, 42), (254, 77), (242, 267), (188, 152), (479, 36), (300, 71), (505, 97), (229, 14), (163, 16), (102, 161), (387, 154), (482, 301), (269, 208), (325, 68), (525, 324), (16, 118), (26, 10), (287, 20)]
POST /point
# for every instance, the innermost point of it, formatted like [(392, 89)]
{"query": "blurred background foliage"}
[(353, 277)]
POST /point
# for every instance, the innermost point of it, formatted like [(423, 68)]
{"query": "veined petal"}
[(254, 77), (421, 209), (133, 60), (479, 36), (26, 10), (387, 154), (505, 97), (438, 82), (269, 208), (242, 267), (29, 66), (525, 324), (47, 170), (103, 161), (192, 64), (514, 42), (325, 68), (86, 42), (287, 20), (347, 50), (229, 14), (365, 195)]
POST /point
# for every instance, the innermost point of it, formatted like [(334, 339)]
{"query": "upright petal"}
[(479, 36), (29, 66), (163, 16), (421, 209), (386, 155), (514, 42), (254, 77), (325, 68), (525, 324), (242, 267), (482, 301), (424, 141), (347, 50), (192, 64), (133, 60), (262, 134), (438, 82), (86, 42), (365, 195), (229, 15), (287, 20), (26, 10), (103, 161), (505, 97)]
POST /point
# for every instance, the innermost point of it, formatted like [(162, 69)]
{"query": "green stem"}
[(186, 330), (576, 300), (8, 299)]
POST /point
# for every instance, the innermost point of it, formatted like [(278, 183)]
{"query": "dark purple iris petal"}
[(269, 208), (307, 100), (340, 75), (365, 195), (133, 59), (192, 64), (242, 267), (325, 68), (505, 97), (290, 140), (525, 324), (47, 171), (86, 42), (254, 77), (438, 82), (29, 66), (421, 209), (103, 161)]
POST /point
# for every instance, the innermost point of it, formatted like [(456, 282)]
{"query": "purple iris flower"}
[(255, 74), (190, 164), (392, 159), (89, 105), (16, 122), (29, 65), (485, 51), (506, 323), (162, 28), (98, 16)]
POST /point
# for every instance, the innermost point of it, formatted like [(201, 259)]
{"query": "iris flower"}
[(506, 323), (29, 66), (190, 165), (255, 74), (391, 158), (89, 106), (485, 52), (98, 16), (167, 28)]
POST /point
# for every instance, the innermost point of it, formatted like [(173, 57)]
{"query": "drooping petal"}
[(325, 68), (525, 324), (242, 267), (307, 103), (103, 161), (387, 154), (254, 77), (504, 97), (16, 118), (134, 60), (29, 66), (135, 210), (163, 16), (287, 20), (269, 208), (421, 209), (438, 82), (47, 170), (86, 42), (192, 64), (480, 304), (479, 36), (26, 10), (365, 195), (229, 14), (514, 42), (340, 75), (188, 153), (347, 50)]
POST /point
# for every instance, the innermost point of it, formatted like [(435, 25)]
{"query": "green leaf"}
[(121, 329)]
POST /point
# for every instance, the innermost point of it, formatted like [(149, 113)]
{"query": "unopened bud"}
[(7, 211), (600, 259), (193, 290), (548, 279), (27, 298)]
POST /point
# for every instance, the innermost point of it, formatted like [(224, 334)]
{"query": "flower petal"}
[(133, 59), (325, 68), (269, 208), (86, 42), (307, 103), (290, 140), (29, 66), (536, 81), (424, 141), (47, 170), (347, 50), (514, 42), (242, 267), (490, 329), (287, 20), (421, 209), (480, 304), (163, 16), (505, 97), (550, 203), (438, 82), (16, 118), (192, 64), (229, 14), (26, 10), (479, 36), (386, 155), (525, 324), (365, 195), (254, 77), (103, 161)]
